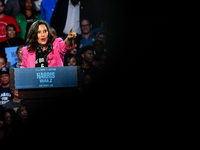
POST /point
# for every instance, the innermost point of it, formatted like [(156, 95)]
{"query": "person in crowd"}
[(102, 37), (88, 37), (47, 8), (10, 116), (15, 103), (63, 21), (19, 56), (92, 72), (11, 121), (36, 2), (12, 8), (71, 60), (98, 46), (4, 88), (27, 16), (75, 10), (12, 39), (4, 21), (22, 112), (43, 49), (98, 50), (3, 61)]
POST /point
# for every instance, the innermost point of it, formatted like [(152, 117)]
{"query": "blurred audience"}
[(27, 16), (68, 13), (66, 16), (92, 72), (88, 37), (11, 122), (102, 37), (15, 103), (5, 92), (19, 56), (12, 39), (98, 50), (12, 8), (4, 21), (71, 60), (22, 112)]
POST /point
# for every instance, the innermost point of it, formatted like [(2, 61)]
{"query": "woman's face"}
[(72, 62), (42, 34), (10, 33), (102, 38), (28, 5)]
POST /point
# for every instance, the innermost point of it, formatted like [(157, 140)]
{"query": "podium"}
[(40, 86)]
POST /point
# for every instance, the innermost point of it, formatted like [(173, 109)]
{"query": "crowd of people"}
[(89, 49)]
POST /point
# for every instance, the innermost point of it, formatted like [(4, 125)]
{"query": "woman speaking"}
[(43, 49)]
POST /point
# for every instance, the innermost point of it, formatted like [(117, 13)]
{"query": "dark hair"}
[(102, 32), (23, 9), (12, 114), (69, 56), (85, 18), (4, 57), (32, 35), (85, 48), (13, 26)]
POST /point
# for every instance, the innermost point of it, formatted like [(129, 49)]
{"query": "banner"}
[(45, 77), (11, 54)]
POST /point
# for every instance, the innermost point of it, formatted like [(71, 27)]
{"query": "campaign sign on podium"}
[(39, 87), (46, 77)]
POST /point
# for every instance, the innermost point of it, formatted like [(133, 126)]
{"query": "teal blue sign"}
[(46, 77)]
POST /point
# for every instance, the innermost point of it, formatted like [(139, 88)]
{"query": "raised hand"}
[(71, 34), (70, 37)]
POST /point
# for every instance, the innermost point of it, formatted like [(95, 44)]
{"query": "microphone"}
[(40, 47)]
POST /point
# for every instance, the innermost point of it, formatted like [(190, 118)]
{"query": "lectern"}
[(38, 86)]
